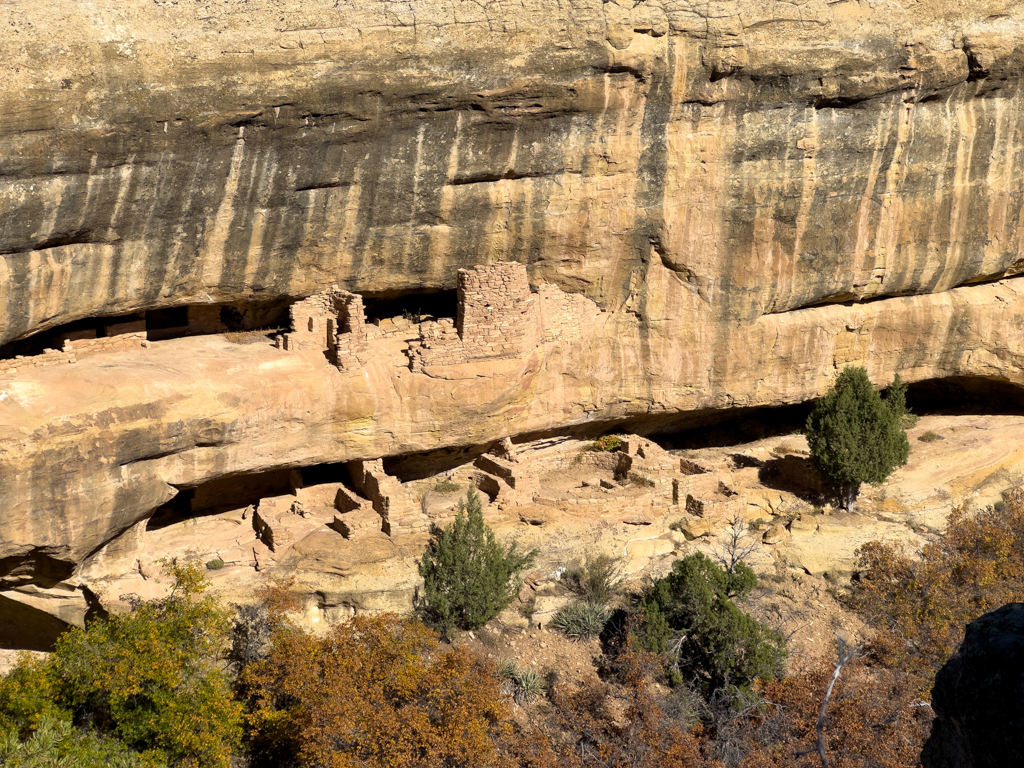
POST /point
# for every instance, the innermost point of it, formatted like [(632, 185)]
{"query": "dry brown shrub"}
[(920, 605), (258, 336), (611, 726), (375, 692), (873, 721)]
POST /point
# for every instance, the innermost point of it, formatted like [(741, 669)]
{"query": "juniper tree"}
[(691, 617), (468, 577), (855, 436)]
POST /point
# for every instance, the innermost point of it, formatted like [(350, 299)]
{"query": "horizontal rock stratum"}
[(752, 194), (88, 450)]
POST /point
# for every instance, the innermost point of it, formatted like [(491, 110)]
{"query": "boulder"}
[(978, 695)]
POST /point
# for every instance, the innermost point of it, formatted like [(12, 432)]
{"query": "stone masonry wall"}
[(496, 312), (333, 321), (73, 351), (314, 324), (498, 317), (492, 303), (398, 507), (350, 341)]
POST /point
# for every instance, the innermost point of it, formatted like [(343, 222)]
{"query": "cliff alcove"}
[(216, 318), (411, 304)]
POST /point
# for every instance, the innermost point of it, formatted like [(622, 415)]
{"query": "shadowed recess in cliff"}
[(963, 395), (40, 566), (849, 299), (416, 466), (223, 494), (237, 491), (159, 325), (204, 319), (960, 395), (413, 304), (26, 628), (88, 328)]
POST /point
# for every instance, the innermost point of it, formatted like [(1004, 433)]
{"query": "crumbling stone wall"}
[(515, 483), (496, 314), (333, 321), (399, 509), (498, 317), (73, 351), (80, 349), (350, 341), (314, 323)]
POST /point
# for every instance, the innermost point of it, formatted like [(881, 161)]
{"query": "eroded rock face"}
[(770, 156), (978, 718), (87, 451)]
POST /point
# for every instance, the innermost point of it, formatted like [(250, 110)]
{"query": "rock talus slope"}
[(753, 194)]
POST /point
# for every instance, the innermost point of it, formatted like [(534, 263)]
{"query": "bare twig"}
[(738, 544)]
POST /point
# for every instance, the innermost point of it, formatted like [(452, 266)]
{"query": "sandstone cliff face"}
[(90, 450), (708, 174), (771, 155)]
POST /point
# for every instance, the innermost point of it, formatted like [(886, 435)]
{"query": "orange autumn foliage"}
[(920, 605), (376, 692), (873, 721)]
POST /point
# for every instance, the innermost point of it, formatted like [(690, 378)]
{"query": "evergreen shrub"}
[(690, 616), (468, 577), (855, 436)]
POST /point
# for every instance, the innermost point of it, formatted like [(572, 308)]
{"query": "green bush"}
[(447, 486), (607, 443), (930, 437), (149, 678), (595, 579), (56, 742), (690, 617), (28, 694), (215, 565), (468, 577), (855, 436), (581, 621)]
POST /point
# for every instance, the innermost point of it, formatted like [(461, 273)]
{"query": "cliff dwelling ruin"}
[(279, 286)]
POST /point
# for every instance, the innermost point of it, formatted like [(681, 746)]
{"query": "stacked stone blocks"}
[(496, 311), (73, 351), (399, 510), (333, 320), (498, 318)]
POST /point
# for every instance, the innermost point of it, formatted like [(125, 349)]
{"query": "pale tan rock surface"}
[(89, 450), (770, 155)]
